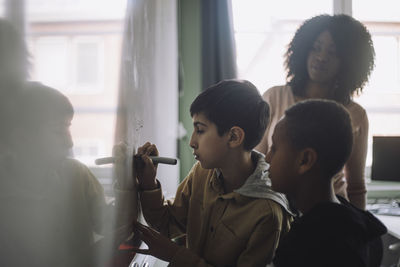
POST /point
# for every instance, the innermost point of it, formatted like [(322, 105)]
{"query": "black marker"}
[(155, 159)]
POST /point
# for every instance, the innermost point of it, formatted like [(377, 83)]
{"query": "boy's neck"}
[(238, 168), (312, 192)]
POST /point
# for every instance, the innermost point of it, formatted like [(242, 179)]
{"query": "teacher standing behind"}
[(329, 57)]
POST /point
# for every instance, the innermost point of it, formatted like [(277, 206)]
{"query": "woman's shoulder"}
[(279, 97), (277, 93), (356, 111), (354, 106), (278, 90)]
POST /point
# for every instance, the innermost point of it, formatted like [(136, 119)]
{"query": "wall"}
[(190, 75)]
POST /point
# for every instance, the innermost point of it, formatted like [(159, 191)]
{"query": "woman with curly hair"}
[(329, 57)]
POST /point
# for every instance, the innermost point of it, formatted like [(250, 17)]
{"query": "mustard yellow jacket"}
[(233, 229)]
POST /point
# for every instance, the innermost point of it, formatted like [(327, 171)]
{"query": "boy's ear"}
[(236, 136), (307, 159)]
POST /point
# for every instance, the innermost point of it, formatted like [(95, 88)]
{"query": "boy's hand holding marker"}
[(145, 163), (145, 169)]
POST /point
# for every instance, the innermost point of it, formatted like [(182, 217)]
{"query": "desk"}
[(390, 256), (386, 190)]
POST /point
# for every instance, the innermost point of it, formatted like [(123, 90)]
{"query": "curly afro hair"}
[(354, 48)]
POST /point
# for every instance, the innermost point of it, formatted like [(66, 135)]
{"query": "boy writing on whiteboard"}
[(225, 206)]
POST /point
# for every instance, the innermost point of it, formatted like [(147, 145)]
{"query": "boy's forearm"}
[(153, 209), (162, 215)]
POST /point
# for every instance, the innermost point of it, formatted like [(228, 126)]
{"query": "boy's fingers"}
[(142, 149), (152, 150), (146, 160)]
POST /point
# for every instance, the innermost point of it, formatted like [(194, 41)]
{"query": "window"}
[(50, 61), (263, 30), (2, 8), (87, 149), (70, 42), (87, 56), (73, 65), (381, 97), (89, 65)]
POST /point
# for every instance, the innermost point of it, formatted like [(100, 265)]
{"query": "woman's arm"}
[(263, 145), (355, 167)]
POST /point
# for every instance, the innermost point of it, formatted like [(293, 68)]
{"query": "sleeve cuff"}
[(123, 195), (152, 198)]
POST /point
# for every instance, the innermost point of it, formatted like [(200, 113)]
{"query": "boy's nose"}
[(192, 142)]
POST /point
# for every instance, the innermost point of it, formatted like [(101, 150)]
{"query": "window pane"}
[(50, 62), (381, 97), (262, 31), (87, 57), (69, 41), (372, 10), (385, 76), (2, 8)]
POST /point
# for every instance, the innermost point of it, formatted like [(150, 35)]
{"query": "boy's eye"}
[(199, 131)]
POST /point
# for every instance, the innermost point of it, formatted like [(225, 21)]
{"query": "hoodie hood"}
[(258, 184)]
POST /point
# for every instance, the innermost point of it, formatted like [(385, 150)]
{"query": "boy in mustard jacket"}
[(225, 205)]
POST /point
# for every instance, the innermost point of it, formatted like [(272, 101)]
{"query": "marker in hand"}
[(155, 159)]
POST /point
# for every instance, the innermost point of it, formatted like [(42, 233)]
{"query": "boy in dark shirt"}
[(310, 144)]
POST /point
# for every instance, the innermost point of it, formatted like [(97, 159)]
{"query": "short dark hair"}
[(39, 104), (234, 103), (324, 126), (354, 49)]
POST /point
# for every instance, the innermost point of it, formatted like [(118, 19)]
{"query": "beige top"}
[(221, 229), (349, 183), (53, 225)]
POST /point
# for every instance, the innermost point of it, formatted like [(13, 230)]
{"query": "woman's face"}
[(323, 62)]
